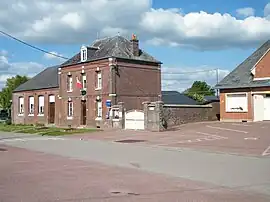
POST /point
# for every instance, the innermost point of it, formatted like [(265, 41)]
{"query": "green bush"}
[(8, 122)]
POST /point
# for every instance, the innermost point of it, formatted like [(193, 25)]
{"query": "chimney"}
[(135, 45)]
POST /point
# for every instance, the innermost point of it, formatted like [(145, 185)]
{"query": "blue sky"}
[(186, 35)]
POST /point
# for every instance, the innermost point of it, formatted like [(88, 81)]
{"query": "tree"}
[(198, 90), (11, 85)]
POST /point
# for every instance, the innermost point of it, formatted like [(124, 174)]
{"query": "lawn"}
[(42, 130)]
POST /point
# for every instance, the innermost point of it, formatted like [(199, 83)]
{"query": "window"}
[(99, 80), (83, 54), (236, 102), (84, 81), (99, 109), (69, 83), (41, 105), (70, 109), (31, 105), (21, 105)]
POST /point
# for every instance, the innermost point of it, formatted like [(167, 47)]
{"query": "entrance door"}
[(51, 109), (83, 113), (267, 107), (258, 102)]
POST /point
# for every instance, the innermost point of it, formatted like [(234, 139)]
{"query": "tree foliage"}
[(198, 90), (11, 85)]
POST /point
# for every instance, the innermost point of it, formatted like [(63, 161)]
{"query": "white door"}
[(267, 108), (134, 120), (258, 101)]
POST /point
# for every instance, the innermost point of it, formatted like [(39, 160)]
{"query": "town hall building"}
[(81, 91)]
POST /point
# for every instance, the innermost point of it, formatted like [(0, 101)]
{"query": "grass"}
[(41, 130)]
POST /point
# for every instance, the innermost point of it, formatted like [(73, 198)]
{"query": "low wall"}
[(179, 114), (160, 116)]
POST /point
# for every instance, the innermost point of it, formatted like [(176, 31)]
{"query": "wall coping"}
[(186, 106)]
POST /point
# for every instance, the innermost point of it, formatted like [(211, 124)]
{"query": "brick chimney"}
[(135, 45)]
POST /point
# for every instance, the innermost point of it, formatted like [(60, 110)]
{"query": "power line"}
[(34, 47), (206, 70)]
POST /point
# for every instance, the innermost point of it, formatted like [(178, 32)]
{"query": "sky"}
[(190, 37)]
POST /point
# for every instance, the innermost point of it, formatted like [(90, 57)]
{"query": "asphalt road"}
[(236, 172)]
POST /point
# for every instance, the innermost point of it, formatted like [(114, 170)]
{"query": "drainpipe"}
[(112, 81)]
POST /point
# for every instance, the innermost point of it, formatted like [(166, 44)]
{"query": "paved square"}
[(234, 138)]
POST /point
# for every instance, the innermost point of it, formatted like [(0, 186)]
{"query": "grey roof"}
[(211, 98), (241, 76), (116, 46), (174, 97), (48, 78)]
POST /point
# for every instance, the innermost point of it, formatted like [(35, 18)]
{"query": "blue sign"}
[(108, 103)]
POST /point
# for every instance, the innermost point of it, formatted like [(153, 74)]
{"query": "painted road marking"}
[(250, 138), (219, 128), (208, 134), (238, 124), (266, 152)]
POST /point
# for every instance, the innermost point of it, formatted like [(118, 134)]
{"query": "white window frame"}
[(99, 81), (228, 108), (99, 110), (21, 106), (83, 54), (69, 84), (41, 103), (31, 109), (84, 81), (70, 110)]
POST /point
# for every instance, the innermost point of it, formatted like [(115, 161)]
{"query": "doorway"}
[(267, 107), (51, 109), (83, 112)]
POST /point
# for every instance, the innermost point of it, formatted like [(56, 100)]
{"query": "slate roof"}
[(241, 76), (48, 78), (116, 46), (176, 98)]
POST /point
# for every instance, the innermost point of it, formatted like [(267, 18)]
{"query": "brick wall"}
[(138, 83), (262, 69), (25, 118), (239, 116)]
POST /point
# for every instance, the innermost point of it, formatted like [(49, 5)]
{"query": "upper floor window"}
[(41, 105), (21, 105), (69, 83), (83, 54), (70, 109), (31, 105), (99, 80), (84, 82)]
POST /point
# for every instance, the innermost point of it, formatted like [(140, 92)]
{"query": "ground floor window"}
[(70, 109), (236, 102), (41, 105), (99, 109), (21, 105)]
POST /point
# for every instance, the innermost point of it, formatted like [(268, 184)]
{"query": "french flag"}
[(78, 83)]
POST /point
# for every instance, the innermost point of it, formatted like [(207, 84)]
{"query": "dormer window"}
[(83, 54)]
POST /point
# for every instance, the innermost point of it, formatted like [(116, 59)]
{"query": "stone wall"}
[(159, 117)]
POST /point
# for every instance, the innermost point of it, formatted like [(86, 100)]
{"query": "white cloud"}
[(173, 79), (245, 12), (79, 21), (267, 10), (9, 69), (54, 56)]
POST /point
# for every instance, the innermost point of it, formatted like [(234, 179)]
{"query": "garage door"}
[(134, 120)]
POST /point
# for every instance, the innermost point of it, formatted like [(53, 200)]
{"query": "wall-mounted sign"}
[(108, 103), (151, 108)]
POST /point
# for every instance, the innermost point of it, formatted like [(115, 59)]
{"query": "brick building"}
[(245, 92), (80, 91)]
